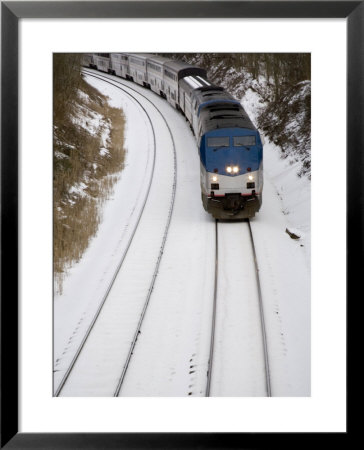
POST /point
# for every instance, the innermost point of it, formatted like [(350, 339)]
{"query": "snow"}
[(60, 155), (78, 189), (82, 95), (294, 194), (238, 364), (88, 119), (85, 286), (285, 281), (171, 355), (118, 319), (285, 266), (171, 358)]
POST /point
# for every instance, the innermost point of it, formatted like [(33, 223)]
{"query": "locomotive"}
[(229, 145)]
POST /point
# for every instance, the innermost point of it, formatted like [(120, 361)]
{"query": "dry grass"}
[(79, 163)]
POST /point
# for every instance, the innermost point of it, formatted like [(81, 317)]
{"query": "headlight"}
[(229, 169), (214, 178), (235, 169), (250, 177)]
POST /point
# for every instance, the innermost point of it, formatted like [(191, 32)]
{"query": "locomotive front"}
[(231, 159)]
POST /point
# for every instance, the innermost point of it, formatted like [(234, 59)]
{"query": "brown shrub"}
[(79, 163)]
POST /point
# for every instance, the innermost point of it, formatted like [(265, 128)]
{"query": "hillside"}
[(88, 154), (276, 91)]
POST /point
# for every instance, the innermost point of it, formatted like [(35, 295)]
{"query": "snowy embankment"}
[(87, 280), (178, 309), (293, 191), (171, 355), (285, 266)]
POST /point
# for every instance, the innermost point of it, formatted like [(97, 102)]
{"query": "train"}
[(229, 145)]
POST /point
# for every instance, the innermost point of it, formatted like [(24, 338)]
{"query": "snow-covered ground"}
[(238, 367), (171, 355), (285, 267), (293, 191), (86, 284)]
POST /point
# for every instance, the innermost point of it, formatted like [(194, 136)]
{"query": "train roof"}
[(158, 59), (219, 109), (182, 69), (197, 82), (143, 56), (193, 82), (211, 94), (224, 114), (117, 55)]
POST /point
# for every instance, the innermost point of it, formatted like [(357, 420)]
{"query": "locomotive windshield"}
[(218, 142), (241, 141)]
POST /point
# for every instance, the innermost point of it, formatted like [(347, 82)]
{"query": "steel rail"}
[(89, 329), (262, 321), (264, 336), (150, 290), (212, 339), (166, 229)]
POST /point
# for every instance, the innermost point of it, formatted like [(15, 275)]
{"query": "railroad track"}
[(213, 385), (117, 389), (262, 321), (227, 377), (262, 346)]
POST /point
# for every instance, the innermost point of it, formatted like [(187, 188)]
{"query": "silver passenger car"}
[(102, 62), (119, 64), (88, 60), (155, 74), (138, 68)]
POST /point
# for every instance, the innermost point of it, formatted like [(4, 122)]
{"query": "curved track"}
[(234, 303), (122, 259), (258, 319)]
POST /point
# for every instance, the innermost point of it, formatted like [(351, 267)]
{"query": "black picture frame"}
[(11, 12)]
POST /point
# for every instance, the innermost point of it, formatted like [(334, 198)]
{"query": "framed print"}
[(33, 34)]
